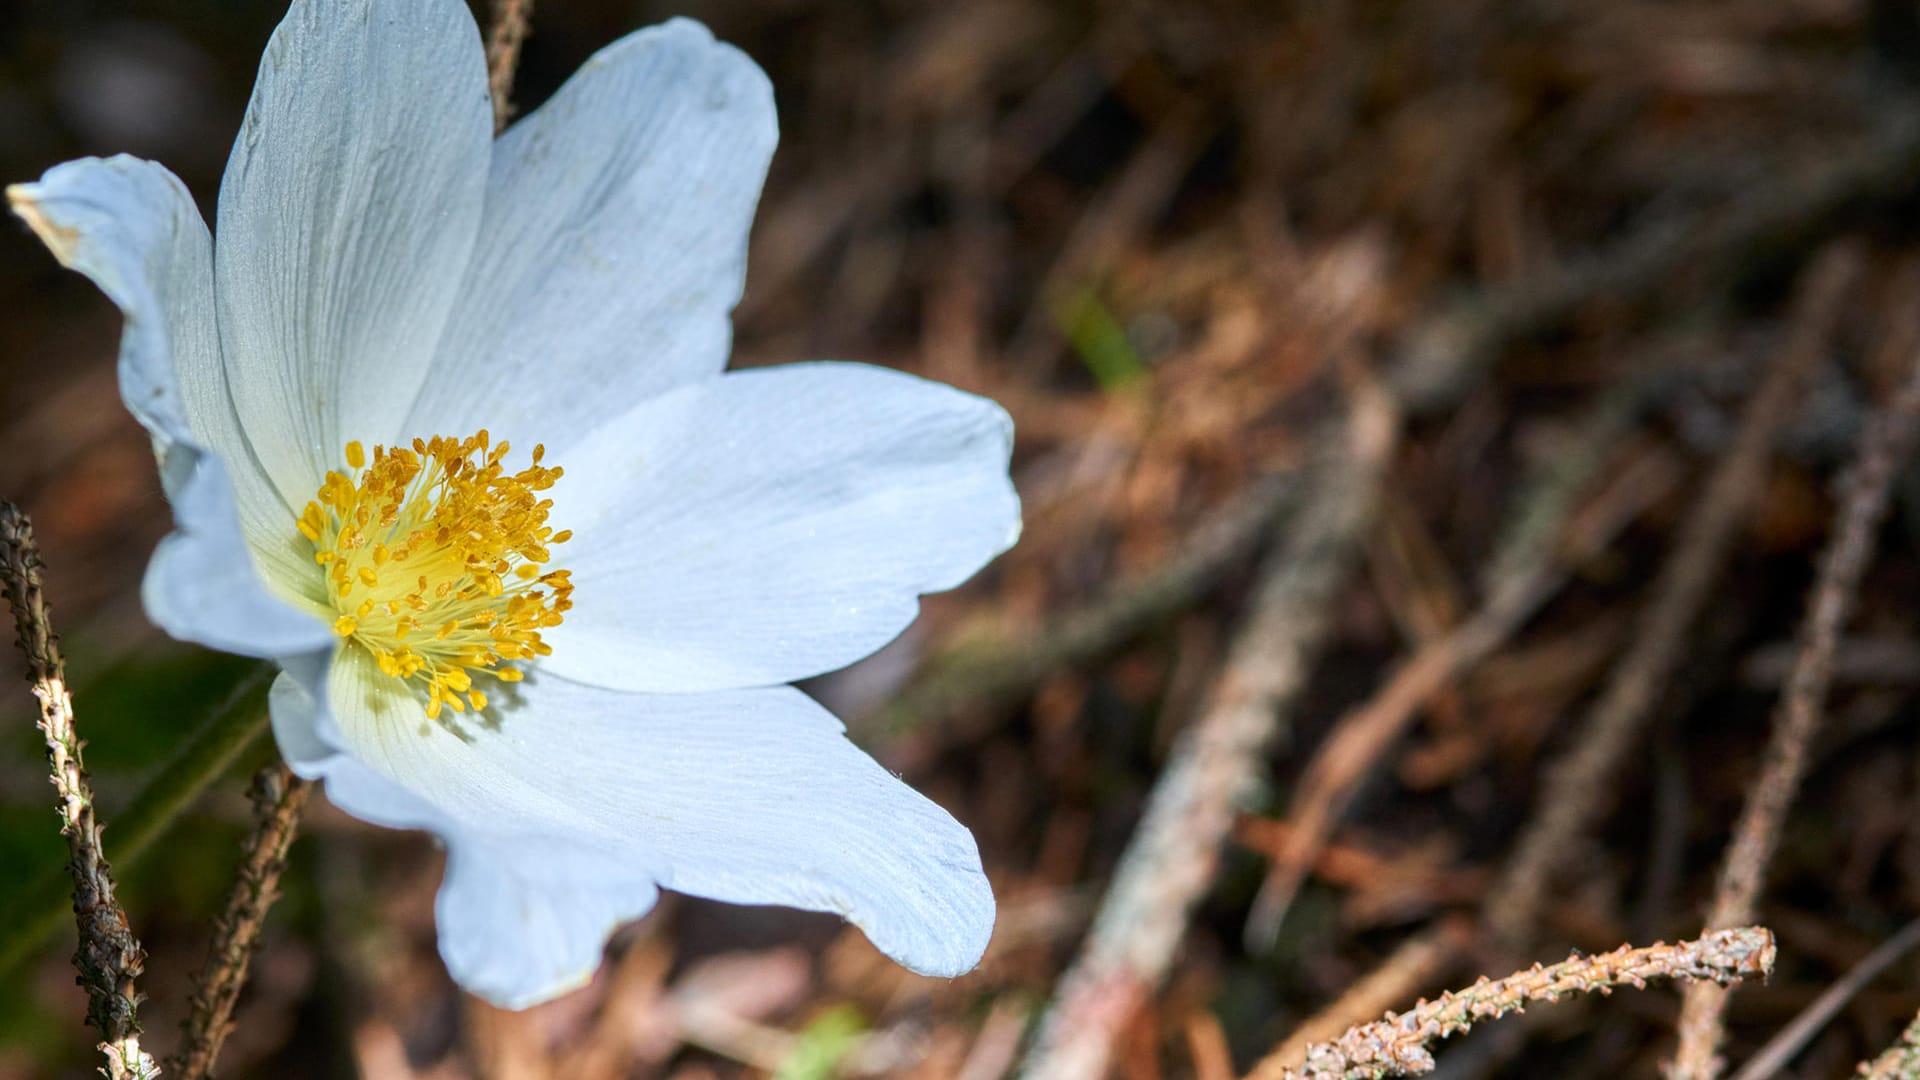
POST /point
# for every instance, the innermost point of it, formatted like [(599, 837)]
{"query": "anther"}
[(473, 537)]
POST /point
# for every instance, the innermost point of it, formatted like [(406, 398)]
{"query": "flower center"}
[(433, 558)]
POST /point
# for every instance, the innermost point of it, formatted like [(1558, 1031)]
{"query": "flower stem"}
[(109, 958), (278, 796)]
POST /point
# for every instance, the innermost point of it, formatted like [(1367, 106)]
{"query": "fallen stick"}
[(1884, 446), (1170, 861)]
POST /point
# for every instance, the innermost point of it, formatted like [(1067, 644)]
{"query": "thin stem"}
[(109, 958), (277, 796), (1398, 1045)]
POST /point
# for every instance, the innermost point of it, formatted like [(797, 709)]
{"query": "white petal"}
[(614, 242), (201, 584), (521, 922), (131, 227), (310, 742), (295, 713), (749, 796), (347, 214), (773, 524)]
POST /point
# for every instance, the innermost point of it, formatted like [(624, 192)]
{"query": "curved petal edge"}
[(130, 226)]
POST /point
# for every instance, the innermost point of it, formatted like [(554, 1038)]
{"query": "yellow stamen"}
[(435, 560)]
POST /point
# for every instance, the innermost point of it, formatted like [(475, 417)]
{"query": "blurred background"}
[(1182, 243)]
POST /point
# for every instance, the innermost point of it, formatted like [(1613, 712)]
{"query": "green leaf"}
[(823, 1045)]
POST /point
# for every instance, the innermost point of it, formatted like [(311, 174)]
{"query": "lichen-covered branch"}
[(277, 796), (109, 958), (1400, 1045)]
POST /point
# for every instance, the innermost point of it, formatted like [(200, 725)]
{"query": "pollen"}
[(435, 558)]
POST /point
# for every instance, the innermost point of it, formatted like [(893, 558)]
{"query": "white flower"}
[(383, 271)]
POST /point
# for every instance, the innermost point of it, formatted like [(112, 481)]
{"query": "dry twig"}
[(277, 796), (109, 958), (1527, 568), (1171, 859), (1415, 965), (1884, 447), (505, 34), (1578, 782), (1397, 1045)]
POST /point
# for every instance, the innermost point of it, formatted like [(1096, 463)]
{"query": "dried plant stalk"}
[(1884, 446), (36, 910), (109, 958), (1901, 1061), (1398, 1045), (277, 797)]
